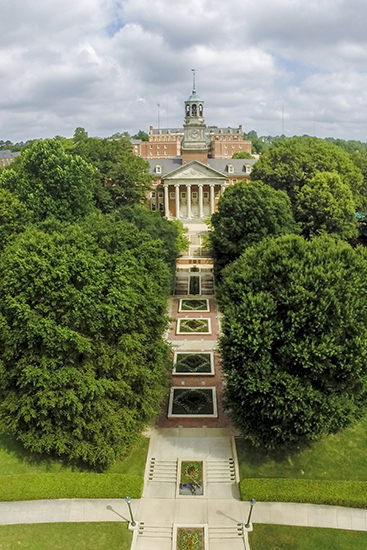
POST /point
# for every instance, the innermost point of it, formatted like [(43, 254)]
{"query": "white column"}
[(166, 205), (189, 201), (201, 205), (223, 188), (211, 198), (177, 200)]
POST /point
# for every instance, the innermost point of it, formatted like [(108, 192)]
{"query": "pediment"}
[(195, 170)]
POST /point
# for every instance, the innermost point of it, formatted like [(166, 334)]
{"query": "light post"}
[(128, 500), (252, 504)]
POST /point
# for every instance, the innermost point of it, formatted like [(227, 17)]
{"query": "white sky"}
[(297, 65)]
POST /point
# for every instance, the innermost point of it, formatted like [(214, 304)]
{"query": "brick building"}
[(193, 165)]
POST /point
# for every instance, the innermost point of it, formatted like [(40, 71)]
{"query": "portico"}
[(192, 191)]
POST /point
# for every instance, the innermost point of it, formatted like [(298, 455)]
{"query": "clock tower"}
[(194, 144)]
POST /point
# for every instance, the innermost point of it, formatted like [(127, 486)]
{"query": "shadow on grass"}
[(256, 456), (49, 462)]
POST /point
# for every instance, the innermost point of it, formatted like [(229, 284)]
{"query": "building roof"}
[(9, 154), (194, 97), (220, 165)]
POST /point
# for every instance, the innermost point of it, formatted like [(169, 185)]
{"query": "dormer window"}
[(248, 169), (158, 169), (230, 169)]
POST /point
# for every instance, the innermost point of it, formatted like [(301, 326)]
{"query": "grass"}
[(279, 537), (59, 536), (15, 460), (330, 471), (335, 457), (28, 476)]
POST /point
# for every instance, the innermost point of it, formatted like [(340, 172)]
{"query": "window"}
[(230, 168), (183, 195), (172, 195), (248, 169), (194, 195), (158, 169), (206, 195), (234, 180), (160, 195), (152, 194)]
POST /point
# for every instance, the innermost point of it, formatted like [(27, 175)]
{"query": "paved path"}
[(227, 512)]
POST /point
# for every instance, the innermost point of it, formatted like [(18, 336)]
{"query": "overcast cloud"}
[(271, 66)]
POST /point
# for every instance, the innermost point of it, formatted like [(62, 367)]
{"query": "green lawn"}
[(15, 460), (335, 457), (279, 537), (28, 476), (70, 536)]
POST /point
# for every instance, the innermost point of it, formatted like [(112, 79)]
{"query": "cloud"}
[(105, 64)]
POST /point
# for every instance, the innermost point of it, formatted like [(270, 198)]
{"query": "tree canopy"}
[(294, 343), (51, 182), (14, 217), (247, 213), (325, 203), (288, 165), (121, 178), (82, 361)]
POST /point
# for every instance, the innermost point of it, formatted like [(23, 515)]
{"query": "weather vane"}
[(193, 79)]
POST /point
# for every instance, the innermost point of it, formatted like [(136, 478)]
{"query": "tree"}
[(325, 203), (51, 182), (141, 135), (247, 213), (82, 312), (80, 134), (170, 233), (294, 343), (14, 216), (121, 178), (288, 165), (242, 155)]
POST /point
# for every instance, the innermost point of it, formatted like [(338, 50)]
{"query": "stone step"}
[(220, 471), (162, 470), (226, 532), (154, 531)]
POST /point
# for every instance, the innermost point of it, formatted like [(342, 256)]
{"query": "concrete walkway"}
[(226, 512)]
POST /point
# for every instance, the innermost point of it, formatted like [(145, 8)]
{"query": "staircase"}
[(207, 284), (154, 531), (163, 471), (220, 471), (226, 532)]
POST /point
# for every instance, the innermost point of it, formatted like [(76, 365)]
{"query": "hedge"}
[(69, 485), (338, 493)]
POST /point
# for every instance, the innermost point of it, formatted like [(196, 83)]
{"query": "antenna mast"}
[(193, 80)]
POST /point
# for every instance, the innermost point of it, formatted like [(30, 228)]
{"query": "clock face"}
[(194, 134)]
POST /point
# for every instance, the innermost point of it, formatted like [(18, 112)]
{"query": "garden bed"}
[(193, 363), (193, 305), (190, 537), (191, 478), (192, 402), (193, 326)]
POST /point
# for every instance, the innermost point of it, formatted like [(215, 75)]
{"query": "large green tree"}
[(247, 213), (51, 182), (294, 345), (14, 216), (170, 233), (121, 177), (288, 165), (82, 312), (325, 203)]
